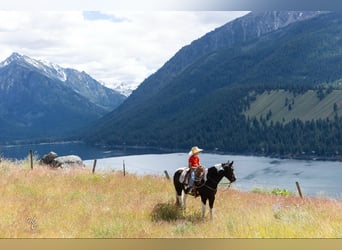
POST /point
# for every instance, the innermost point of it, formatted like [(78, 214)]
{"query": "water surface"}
[(316, 178)]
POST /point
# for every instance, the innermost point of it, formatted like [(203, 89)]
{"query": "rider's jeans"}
[(192, 177)]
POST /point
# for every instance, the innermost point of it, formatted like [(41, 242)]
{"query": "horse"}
[(207, 188)]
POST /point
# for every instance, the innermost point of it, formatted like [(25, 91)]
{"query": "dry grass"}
[(73, 203)]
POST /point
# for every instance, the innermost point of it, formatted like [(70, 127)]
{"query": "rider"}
[(194, 162)]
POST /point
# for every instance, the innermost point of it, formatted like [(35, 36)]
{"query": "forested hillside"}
[(223, 100)]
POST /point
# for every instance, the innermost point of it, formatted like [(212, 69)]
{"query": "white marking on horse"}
[(203, 210), (218, 167)]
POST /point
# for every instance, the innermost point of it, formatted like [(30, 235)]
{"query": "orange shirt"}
[(194, 161)]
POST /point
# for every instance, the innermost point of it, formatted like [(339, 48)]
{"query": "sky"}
[(114, 47)]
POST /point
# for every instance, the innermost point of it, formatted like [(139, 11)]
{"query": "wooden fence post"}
[(299, 190), (167, 175), (94, 166), (31, 159), (124, 168)]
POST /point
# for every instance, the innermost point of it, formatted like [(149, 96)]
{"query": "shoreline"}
[(140, 150)]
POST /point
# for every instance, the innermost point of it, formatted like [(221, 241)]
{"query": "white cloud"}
[(113, 47)]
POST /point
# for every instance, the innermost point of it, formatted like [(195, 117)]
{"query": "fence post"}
[(167, 175), (124, 168), (31, 159), (299, 190), (94, 166)]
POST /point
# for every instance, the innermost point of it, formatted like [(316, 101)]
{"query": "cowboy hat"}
[(195, 150)]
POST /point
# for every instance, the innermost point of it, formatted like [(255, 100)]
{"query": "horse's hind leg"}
[(179, 200), (185, 196), (179, 196)]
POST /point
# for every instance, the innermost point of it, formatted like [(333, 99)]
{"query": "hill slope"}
[(205, 102), (73, 203)]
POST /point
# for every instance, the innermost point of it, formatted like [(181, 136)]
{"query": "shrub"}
[(166, 212), (275, 191)]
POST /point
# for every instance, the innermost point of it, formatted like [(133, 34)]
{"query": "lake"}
[(83, 150), (316, 178)]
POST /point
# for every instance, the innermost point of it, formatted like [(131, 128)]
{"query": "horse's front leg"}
[(204, 202), (211, 206), (203, 209)]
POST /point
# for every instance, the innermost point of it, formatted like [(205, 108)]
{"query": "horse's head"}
[(229, 171)]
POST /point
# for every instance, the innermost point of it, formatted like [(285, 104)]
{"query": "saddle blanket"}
[(183, 174)]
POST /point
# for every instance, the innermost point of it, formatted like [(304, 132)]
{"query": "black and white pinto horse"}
[(208, 186)]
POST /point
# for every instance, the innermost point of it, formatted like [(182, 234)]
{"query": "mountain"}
[(204, 98), (40, 99), (242, 30), (79, 82)]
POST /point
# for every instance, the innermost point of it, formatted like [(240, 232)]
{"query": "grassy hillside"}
[(286, 106), (65, 203)]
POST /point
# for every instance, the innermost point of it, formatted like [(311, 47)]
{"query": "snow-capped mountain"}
[(53, 70), (80, 82), (41, 99), (125, 89)]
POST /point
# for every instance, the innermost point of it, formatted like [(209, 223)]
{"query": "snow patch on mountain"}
[(50, 69), (125, 89)]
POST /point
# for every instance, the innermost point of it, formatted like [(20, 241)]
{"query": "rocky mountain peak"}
[(49, 69), (14, 57)]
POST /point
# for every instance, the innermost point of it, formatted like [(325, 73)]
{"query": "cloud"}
[(96, 15), (114, 47)]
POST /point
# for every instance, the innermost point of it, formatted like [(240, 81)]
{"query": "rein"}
[(212, 180), (210, 188), (215, 182)]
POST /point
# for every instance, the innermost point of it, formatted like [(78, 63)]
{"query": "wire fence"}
[(300, 187)]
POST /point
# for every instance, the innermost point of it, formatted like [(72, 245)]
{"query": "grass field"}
[(74, 203), (305, 107)]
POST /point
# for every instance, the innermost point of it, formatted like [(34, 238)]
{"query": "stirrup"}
[(192, 191)]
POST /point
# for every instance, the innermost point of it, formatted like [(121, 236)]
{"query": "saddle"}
[(200, 174)]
